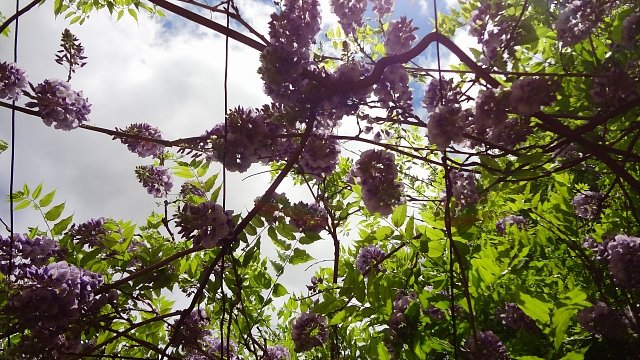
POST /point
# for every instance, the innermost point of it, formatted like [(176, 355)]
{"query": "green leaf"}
[(279, 290), (62, 225), (3, 145), (120, 14), (338, 318), (561, 320), (399, 215), (133, 14), (37, 191), (383, 352), (23, 205), (300, 256), (54, 213), (536, 309), (47, 199)]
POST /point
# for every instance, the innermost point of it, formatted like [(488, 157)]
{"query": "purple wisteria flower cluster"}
[(491, 25), (251, 138), (72, 53), (91, 233), (614, 88), (309, 330), (156, 179), (214, 349), (488, 347), (320, 156), (512, 317), (12, 81), (59, 105), (400, 36), (54, 295), (630, 30), (491, 120), (588, 204), (529, 94), (400, 326), (206, 224), (368, 259), (464, 188), (446, 125), (441, 92), (622, 256), (579, 18), (349, 13), (510, 220), (291, 32), (602, 320), (305, 217), (624, 261), (377, 172), (393, 89), (192, 329), (27, 253), (277, 352), (141, 147), (383, 7)]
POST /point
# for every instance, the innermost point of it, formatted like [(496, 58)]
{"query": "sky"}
[(166, 72)]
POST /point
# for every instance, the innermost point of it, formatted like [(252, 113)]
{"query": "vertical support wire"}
[(224, 185), (13, 160)]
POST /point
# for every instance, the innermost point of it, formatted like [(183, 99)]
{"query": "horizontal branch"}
[(201, 20)]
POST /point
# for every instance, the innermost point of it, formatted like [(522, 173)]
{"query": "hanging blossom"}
[(491, 25), (349, 13), (441, 92), (393, 89), (588, 204), (624, 261), (192, 329), (601, 320), (446, 125), (91, 233), (309, 330), (251, 138), (464, 188), (27, 252), (512, 317), (488, 347), (292, 32), (277, 352), (12, 81), (307, 217), (630, 30), (215, 349), (368, 259), (155, 179), (332, 109), (529, 94), (319, 156), (399, 37), (600, 248), (207, 224), (52, 296), (141, 147), (59, 105), (579, 18), (383, 7), (508, 221), (377, 172), (614, 88), (401, 327)]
